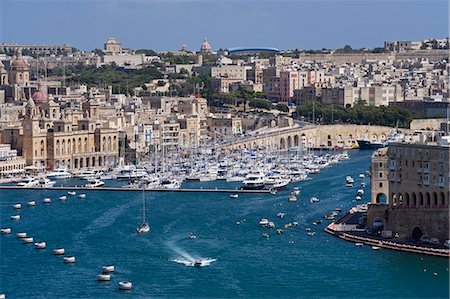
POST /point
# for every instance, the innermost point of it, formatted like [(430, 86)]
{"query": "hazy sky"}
[(166, 25)]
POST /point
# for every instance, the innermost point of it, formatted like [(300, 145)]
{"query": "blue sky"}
[(166, 25)]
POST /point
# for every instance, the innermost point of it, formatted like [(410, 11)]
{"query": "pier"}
[(115, 189)]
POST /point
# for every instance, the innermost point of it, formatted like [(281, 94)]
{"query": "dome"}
[(19, 63), (39, 97), (206, 47)]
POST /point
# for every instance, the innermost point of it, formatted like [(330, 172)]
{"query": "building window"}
[(381, 185)]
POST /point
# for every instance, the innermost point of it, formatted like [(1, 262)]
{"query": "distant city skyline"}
[(166, 25)]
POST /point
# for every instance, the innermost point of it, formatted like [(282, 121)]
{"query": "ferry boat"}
[(59, 173)]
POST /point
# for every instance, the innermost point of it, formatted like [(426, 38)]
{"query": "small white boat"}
[(143, 228), (59, 251), (63, 197), (21, 235), (296, 191), (108, 268), (234, 195), (358, 198), (59, 173), (271, 224), (273, 191), (311, 234), (376, 247), (15, 217), (264, 222), (362, 175), (103, 277), (292, 198), (360, 191), (192, 236), (5, 231), (31, 203), (47, 200), (362, 185), (281, 215), (72, 193), (349, 179), (69, 259), (17, 206), (95, 183), (2, 296), (125, 285), (40, 245), (313, 199), (27, 240), (359, 244), (82, 196)]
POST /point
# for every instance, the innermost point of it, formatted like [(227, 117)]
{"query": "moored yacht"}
[(95, 183), (254, 181), (59, 173)]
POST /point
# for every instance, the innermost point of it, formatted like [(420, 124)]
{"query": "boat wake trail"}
[(187, 259), (201, 262)]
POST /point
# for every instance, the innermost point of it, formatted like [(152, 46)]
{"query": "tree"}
[(282, 107)]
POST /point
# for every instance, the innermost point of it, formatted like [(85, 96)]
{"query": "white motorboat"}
[(108, 268), (47, 200), (376, 247), (31, 203), (292, 198), (82, 196), (144, 227), (130, 172), (264, 222), (170, 184), (296, 191), (15, 217), (90, 174), (40, 245), (359, 244), (254, 181), (275, 182), (69, 259), (234, 195), (313, 199), (95, 183), (59, 251), (17, 206), (29, 182), (103, 277), (72, 193), (349, 179), (59, 173), (5, 231), (63, 197), (281, 215), (358, 197), (21, 235), (27, 240), (360, 192), (125, 285), (362, 176), (44, 183)]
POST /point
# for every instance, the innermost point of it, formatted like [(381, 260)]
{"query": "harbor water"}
[(101, 230)]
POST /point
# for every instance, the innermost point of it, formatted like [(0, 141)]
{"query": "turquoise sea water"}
[(100, 230)]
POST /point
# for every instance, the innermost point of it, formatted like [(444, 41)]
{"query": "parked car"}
[(427, 240)]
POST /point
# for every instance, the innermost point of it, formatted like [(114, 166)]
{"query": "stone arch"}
[(85, 145), (406, 201), (435, 202), (282, 143), (255, 146), (416, 233), (57, 148), (63, 147), (381, 198), (289, 141), (442, 199), (428, 199), (400, 199), (69, 146), (394, 199), (420, 199), (414, 199), (296, 140), (79, 145)]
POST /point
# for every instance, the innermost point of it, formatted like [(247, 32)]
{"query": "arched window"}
[(63, 147), (57, 149), (42, 148), (79, 145), (85, 144)]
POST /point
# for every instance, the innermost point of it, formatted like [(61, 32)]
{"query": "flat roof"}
[(253, 49)]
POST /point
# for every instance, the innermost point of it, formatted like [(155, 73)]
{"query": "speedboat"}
[(313, 199), (69, 259), (40, 245), (108, 268), (59, 173), (95, 183), (63, 197), (234, 195), (17, 206), (292, 198), (264, 222), (59, 251), (103, 277), (349, 179), (281, 215), (31, 203), (72, 193), (296, 191), (125, 285), (359, 244), (15, 217), (28, 182), (82, 195), (90, 174), (47, 200), (170, 184), (5, 231)]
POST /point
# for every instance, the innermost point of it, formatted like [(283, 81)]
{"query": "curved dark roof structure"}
[(254, 49)]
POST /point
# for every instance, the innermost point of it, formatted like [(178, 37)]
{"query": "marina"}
[(226, 231)]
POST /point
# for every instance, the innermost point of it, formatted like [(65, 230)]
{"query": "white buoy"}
[(17, 206), (108, 268), (21, 235), (63, 197), (59, 251), (15, 217), (2, 296), (27, 240), (125, 285), (69, 259), (104, 277), (31, 203), (5, 231), (47, 200), (82, 196), (40, 245)]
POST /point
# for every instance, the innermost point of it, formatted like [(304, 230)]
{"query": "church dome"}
[(19, 63), (39, 97), (206, 47)]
